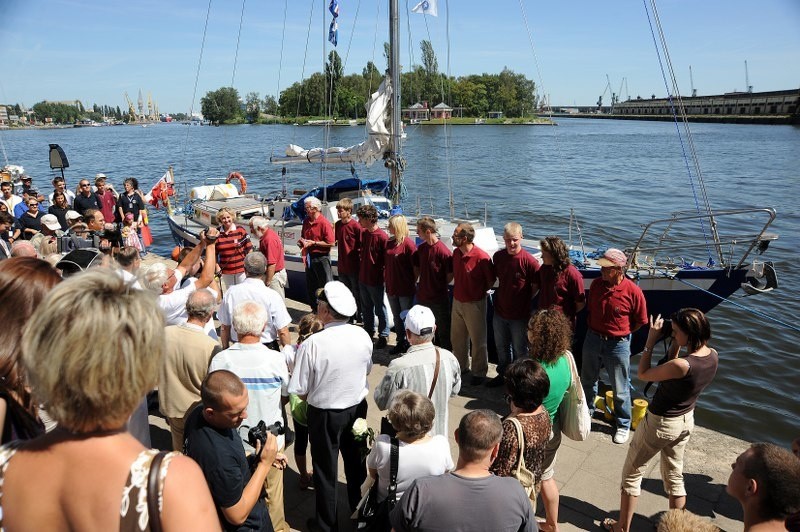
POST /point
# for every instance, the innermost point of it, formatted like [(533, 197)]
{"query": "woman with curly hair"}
[(24, 282), (550, 336), (560, 283)]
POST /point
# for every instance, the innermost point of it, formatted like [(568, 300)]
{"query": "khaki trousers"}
[(176, 425), (273, 485), (468, 323)]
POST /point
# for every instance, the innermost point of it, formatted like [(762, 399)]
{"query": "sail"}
[(366, 153)]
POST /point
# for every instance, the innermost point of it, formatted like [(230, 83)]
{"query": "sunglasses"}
[(33, 204), (84, 184)]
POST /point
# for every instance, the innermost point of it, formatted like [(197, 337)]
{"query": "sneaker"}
[(381, 343), (621, 436), (495, 382)]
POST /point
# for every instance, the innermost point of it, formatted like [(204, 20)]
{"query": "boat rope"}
[(303, 71), (566, 178), (753, 311), (196, 81), (680, 108), (225, 139), (374, 46), (280, 70)]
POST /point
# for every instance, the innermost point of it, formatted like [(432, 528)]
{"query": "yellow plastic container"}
[(638, 413), (609, 410), (599, 403)]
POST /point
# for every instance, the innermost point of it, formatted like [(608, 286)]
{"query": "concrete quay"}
[(587, 473)]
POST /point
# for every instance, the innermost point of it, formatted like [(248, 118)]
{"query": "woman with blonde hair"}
[(89, 473), (233, 245), (399, 276)]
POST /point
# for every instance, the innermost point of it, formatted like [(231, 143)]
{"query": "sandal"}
[(609, 524)]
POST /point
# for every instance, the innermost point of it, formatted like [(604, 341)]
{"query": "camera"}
[(666, 330), (259, 432), (67, 243)]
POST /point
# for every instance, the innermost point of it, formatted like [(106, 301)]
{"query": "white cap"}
[(72, 215), (98, 176), (420, 320), (338, 296), (51, 222)]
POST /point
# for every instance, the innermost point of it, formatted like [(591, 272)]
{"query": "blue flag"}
[(333, 32), (334, 8)]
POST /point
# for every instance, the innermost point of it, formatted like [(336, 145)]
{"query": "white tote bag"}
[(573, 412)]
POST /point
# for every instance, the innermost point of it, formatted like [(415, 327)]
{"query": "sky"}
[(96, 50)]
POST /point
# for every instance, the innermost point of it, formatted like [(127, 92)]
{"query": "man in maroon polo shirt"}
[(269, 243), (517, 277), (370, 273), (316, 242), (616, 309), (433, 267), (473, 275), (348, 241)]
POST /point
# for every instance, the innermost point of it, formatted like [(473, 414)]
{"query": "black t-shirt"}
[(82, 203), (220, 454), (26, 221), (132, 204), (61, 214)]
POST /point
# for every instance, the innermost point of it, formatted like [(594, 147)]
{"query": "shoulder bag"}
[(522, 473), (153, 513), (373, 516), (386, 426), (573, 412)]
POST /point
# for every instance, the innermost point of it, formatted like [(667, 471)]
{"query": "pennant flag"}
[(333, 32), (161, 190), (427, 7)]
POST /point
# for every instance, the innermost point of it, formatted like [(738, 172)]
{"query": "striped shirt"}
[(232, 247)]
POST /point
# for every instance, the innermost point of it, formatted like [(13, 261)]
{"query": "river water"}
[(616, 175)]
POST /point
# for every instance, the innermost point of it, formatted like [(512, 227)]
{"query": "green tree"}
[(333, 74), (270, 105), (221, 105), (252, 107)]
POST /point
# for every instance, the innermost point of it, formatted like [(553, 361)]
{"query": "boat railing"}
[(662, 240)]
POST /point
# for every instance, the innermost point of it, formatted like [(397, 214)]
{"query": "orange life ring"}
[(240, 178)]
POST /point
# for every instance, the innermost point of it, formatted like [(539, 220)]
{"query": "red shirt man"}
[(316, 241), (269, 243), (433, 268), (473, 275)]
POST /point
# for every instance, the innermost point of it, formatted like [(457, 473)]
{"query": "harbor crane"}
[(132, 116)]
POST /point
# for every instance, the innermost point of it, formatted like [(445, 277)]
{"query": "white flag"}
[(426, 7)]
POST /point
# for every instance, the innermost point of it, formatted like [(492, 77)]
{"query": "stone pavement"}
[(587, 473)]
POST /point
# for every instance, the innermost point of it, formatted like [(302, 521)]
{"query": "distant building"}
[(442, 111), (3, 115), (419, 112), (495, 114), (786, 102)]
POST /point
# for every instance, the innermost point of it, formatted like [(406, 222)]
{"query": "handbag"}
[(573, 412), (153, 513), (386, 426), (522, 473), (373, 516)]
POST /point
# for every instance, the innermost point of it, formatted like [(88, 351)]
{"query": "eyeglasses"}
[(33, 204), (84, 184)]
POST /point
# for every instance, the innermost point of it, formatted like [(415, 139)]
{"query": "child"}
[(308, 325), (129, 235)]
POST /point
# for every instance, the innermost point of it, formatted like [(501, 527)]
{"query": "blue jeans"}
[(371, 306), (350, 280), (615, 355), (510, 339), (398, 304)]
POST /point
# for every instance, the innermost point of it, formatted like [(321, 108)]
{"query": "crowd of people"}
[(73, 392)]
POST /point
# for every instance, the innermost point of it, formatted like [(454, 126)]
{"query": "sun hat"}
[(51, 222), (339, 298)]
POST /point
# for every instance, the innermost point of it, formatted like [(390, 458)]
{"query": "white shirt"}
[(11, 202), (129, 278), (414, 461), (266, 377), (174, 304), (331, 367), (253, 289)]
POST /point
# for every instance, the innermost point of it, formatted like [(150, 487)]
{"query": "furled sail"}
[(367, 152)]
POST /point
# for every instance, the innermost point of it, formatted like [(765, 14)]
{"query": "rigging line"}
[(303, 71), (674, 114), (196, 81), (280, 68), (755, 312), (374, 46), (225, 139)]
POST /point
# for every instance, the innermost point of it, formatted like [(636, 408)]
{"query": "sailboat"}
[(659, 260)]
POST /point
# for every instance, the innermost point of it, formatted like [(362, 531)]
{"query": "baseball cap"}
[(613, 258), (51, 222), (338, 297), (73, 215), (420, 320)]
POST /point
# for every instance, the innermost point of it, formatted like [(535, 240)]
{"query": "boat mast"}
[(393, 156)]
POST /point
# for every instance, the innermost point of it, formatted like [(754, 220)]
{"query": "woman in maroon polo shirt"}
[(399, 276)]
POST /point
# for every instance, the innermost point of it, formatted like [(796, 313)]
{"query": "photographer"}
[(267, 378), (109, 235), (212, 441)]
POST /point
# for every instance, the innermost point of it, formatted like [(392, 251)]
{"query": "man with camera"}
[(235, 481), (266, 377), (109, 235)]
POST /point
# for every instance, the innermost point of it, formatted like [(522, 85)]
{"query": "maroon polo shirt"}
[(373, 257), (319, 230), (348, 241), (616, 310), (435, 263), (270, 245), (108, 205), (399, 273), (563, 291), (516, 275), (473, 274)]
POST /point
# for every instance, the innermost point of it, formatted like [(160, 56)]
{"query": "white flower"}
[(360, 428)]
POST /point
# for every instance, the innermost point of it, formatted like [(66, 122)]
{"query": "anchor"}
[(760, 279)]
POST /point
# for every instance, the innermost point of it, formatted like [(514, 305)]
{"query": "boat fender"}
[(761, 279), (176, 253), (242, 182)]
